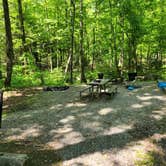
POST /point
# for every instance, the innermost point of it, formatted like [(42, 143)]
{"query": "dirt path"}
[(57, 128)]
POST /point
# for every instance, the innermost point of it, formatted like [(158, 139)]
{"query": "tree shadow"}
[(73, 128), (38, 155)]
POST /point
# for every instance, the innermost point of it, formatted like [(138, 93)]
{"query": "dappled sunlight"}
[(26, 116), (21, 134), (67, 119), (91, 126), (72, 138), (117, 129), (57, 106), (12, 93), (5, 107), (90, 160), (147, 94), (62, 130), (157, 117), (157, 137), (63, 136), (150, 97), (55, 144), (141, 105), (105, 111), (68, 105), (85, 114), (137, 106), (101, 128), (159, 114)]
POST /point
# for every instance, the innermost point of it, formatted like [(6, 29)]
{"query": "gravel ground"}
[(102, 131)]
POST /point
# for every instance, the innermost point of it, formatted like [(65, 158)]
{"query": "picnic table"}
[(99, 84)]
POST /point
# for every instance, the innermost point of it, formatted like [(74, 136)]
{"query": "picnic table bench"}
[(89, 89), (112, 90)]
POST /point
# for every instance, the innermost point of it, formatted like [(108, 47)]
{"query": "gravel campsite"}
[(56, 128)]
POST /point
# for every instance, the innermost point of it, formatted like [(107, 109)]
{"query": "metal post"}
[(1, 104)]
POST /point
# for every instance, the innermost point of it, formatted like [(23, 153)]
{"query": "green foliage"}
[(1, 83), (116, 33), (22, 78), (151, 158), (56, 77), (91, 75), (28, 77)]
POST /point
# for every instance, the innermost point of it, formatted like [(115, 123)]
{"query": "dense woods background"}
[(58, 41)]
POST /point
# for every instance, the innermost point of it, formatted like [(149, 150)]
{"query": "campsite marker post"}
[(1, 103)]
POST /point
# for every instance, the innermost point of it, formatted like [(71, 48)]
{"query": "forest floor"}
[(57, 128)]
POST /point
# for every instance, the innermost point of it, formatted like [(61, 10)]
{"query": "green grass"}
[(151, 158)]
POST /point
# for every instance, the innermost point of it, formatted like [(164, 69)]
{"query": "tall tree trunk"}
[(122, 41), (72, 22), (129, 55), (133, 53), (39, 65), (66, 13), (94, 38), (114, 39), (68, 49), (115, 51), (22, 29), (148, 57), (135, 58), (51, 64), (94, 49), (83, 79), (9, 44)]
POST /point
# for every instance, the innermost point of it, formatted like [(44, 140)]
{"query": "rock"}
[(12, 159)]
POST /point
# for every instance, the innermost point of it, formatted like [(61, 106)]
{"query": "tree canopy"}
[(57, 41)]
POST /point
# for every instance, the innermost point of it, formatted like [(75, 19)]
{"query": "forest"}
[(52, 42), (64, 46)]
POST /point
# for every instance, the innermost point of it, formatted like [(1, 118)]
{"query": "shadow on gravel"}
[(82, 128)]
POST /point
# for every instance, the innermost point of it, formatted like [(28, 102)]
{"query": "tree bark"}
[(9, 44), (122, 41), (94, 39), (22, 29), (94, 49), (114, 39), (72, 22), (83, 79)]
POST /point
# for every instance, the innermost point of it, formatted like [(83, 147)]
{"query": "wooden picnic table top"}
[(99, 82)]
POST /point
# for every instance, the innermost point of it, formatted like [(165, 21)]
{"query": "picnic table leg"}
[(100, 89), (92, 94), (104, 87)]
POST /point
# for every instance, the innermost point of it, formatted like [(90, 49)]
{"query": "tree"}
[(9, 44), (84, 37), (72, 29), (83, 79), (22, 29)]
